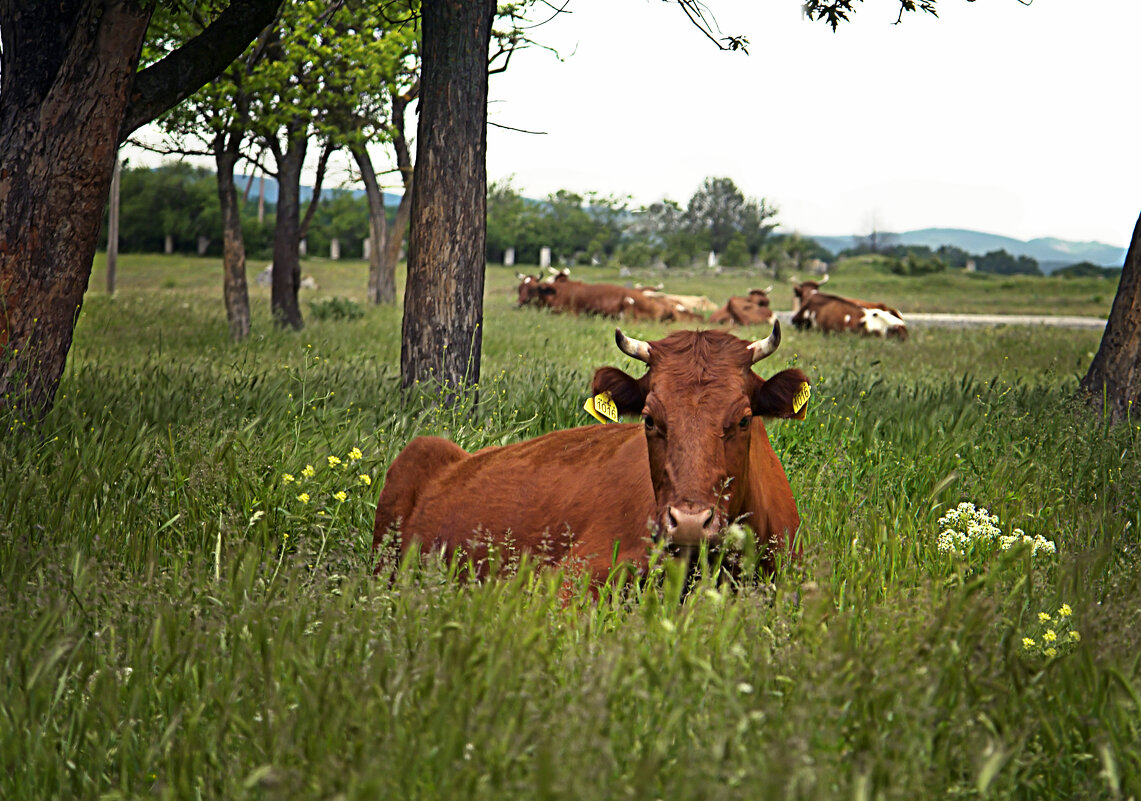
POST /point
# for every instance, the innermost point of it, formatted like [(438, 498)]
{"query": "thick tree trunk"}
[(235, 291), (57, 153), (443, 300), (381, 287), (1113, 382), (287, 236)]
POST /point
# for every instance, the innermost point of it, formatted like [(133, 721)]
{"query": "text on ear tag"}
[(602, 407)]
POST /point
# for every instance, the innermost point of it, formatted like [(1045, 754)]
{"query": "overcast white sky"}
[(996, 116)]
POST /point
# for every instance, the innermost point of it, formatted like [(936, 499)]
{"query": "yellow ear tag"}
[(800, 402), (601, 407)]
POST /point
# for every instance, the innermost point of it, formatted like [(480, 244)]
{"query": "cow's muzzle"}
[(691, 524)]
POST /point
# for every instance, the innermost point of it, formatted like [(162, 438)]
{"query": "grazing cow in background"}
[(753, 309), (592, 497)]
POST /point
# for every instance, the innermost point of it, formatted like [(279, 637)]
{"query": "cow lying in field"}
[(559, 293), (590, 498), (752, 309), (832, 313)]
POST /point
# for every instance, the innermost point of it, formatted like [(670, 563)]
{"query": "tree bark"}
[(57, 153), (443, 300), (1113, 383), (113, 228), (287, 233), (381, 287), (69, 91), (235, 290)]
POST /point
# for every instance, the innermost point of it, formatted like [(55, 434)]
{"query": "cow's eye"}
[(649, 422), (744, 424)]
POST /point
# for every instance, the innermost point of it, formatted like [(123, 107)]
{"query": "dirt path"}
[(976, 320)]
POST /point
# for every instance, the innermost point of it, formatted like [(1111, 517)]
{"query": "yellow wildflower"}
[(1027, 643), (1065, 611), (1074, 636), (303, 497), (334, 461), (1049, 636), (308, 472), (1051, 652), (355, 454), (366, 479), (1043, 617), (287, 478), (340, 496)]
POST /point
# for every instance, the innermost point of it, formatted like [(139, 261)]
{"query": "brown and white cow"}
[(832, 313), (584, 498), (751, 309)]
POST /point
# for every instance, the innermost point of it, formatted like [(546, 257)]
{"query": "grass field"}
[(188, 608)]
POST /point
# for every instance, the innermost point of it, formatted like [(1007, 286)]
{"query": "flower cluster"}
[(1053, 635), (967, 527), (964, 526), (1037, 543), (309, 472)]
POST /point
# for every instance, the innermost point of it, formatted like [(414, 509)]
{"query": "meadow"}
[(189, 610)]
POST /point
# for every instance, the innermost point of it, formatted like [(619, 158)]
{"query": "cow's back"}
[(566, 497)]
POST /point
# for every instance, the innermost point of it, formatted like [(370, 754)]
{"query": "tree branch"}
[(166, 83)]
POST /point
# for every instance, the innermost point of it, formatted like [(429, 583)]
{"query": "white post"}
[(509, 257), (544, 258), (168, 244), (712, 259), (367, 248), (303, 247), (334, 248)]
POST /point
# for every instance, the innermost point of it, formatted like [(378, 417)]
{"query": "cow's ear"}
[(628, 394), (774, 398)]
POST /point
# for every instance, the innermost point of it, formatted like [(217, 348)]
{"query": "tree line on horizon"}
[(175, 207)]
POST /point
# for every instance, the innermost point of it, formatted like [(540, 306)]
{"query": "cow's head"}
[(701, 403), (531, 290), (803, 290), (760, 296)]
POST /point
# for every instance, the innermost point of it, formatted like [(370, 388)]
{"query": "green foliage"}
[(915, 262), (335, 309), (999, 262), (1087, 270), (193, 613)]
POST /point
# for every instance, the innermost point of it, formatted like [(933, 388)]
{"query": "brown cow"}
[(831, 314), (588, 498), (559, 293), (753, 309)]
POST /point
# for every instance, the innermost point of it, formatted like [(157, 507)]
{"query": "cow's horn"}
[(764, 348), (792, 279), (768, 289), (635, 348), (824, 280)]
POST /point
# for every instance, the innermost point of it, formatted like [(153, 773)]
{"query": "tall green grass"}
[(189, 612)]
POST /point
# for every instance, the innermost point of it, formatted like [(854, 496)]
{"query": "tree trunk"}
[(443, 300), (113, 228), (69, 94), (381, 287), (287, 234), (397, 232), (235, 291), (1113, 382), (58, 145)]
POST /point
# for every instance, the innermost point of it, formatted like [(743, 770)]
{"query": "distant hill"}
[(306, 191), (1050, 252)]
